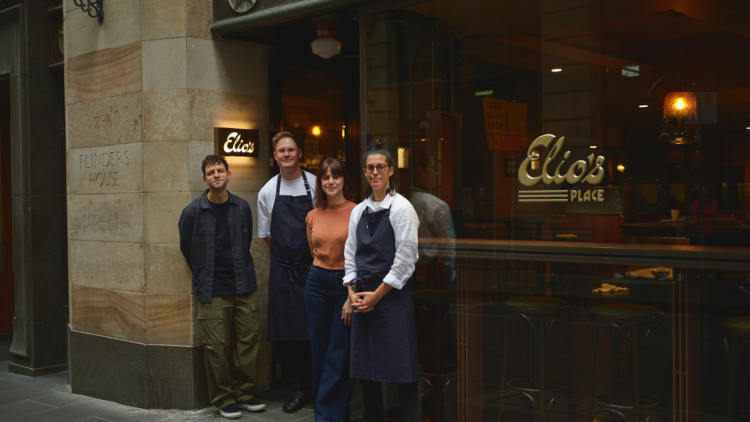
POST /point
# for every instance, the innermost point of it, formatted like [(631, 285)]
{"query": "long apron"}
[(290, 264), (384, 340)]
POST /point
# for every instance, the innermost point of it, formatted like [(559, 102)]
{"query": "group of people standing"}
[(339, 299)]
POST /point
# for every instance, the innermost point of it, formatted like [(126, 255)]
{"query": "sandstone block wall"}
[(143, 92)]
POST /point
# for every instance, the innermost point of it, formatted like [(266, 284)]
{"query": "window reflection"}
[(661, 95)]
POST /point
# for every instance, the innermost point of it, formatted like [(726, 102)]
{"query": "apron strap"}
[(366, 211), (307, 188)]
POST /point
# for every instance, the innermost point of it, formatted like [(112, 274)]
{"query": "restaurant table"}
[(471, 253)]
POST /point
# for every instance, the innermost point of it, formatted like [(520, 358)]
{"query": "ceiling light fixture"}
[(556, 70), (326, 46), (643, 106), (680, 118), (680, 108)]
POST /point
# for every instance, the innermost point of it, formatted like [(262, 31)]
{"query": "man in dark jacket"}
[(215, 234)]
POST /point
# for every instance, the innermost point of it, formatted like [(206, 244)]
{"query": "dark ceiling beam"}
[(279, 15)]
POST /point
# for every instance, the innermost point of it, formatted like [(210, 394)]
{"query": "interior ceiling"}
[(624, 28)]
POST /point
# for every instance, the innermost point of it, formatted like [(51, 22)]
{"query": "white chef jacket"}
[(267, 196), (405, 225)]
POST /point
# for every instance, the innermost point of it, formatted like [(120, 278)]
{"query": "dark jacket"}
[(197, 241)]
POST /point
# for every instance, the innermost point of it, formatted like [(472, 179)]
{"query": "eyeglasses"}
[(380, 167)]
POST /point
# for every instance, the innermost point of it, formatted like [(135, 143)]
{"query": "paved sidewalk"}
[(48, 399)]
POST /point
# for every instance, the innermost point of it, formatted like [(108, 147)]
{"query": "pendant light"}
[(326, 46), (680, 118)]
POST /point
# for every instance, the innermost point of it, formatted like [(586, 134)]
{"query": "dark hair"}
[(379, 148), (281, 135), (337, 169), (664, 185), (213, 159)]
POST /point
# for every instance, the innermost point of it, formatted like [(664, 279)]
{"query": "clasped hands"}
[(364, 302)]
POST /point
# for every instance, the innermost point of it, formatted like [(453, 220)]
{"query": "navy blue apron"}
[(290, 264), (384, 340)]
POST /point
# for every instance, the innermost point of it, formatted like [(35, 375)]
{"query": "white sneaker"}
[(230, 411), (252, 405)]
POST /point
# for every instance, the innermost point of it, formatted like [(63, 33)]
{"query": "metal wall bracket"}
[(95, 8)]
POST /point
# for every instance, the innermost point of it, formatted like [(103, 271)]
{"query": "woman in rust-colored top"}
[(329, 312)]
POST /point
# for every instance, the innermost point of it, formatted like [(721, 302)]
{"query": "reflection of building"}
[(459, 88)]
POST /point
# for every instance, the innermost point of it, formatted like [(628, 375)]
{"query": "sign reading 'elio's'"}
[(236, 142), (589, 171)]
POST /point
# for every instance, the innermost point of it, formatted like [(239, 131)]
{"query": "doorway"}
[(317, 99), (313, 108)]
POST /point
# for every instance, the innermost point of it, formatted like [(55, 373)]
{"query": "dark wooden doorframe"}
[(7, 302)]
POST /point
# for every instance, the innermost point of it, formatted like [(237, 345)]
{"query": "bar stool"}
[(630, 324), (736, 338), (534, 311), (437, 305)]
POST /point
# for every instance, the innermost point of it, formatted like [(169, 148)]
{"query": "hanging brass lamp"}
[(680, 118)]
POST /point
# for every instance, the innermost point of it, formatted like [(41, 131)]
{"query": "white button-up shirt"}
[(405, 225)]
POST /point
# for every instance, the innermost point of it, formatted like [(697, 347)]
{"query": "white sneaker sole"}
[(230, 415), (256, 408)]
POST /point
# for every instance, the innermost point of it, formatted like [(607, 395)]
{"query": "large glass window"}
[(590, 152), (639, 117)]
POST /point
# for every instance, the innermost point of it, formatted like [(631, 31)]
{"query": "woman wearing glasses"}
[(380, 254), (329, 312)]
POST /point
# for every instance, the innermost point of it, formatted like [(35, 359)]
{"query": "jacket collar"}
[(204, 199)]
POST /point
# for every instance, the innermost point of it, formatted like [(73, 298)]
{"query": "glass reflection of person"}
[(665, 203), (379, 256), (329, 312), (636, 206), (435, 220), (710, 205)]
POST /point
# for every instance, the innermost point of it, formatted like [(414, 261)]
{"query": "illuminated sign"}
[(236, 142), (589, 171)]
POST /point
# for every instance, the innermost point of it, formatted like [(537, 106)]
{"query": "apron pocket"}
[(211, 323)]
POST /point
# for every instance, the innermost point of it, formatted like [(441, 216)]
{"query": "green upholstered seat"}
[(627, 310), (536, 302), (739, 323), (436, 295)]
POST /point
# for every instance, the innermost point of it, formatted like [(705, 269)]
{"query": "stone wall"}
[(143, 92)]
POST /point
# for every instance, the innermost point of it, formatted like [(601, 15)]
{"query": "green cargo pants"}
[(216, 319)]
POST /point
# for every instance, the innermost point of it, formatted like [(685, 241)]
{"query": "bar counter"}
[(681, 304), (683, 256)]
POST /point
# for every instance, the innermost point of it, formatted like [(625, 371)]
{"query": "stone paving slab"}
[(49, 399)]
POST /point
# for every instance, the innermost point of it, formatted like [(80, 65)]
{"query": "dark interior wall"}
[(38, 187)]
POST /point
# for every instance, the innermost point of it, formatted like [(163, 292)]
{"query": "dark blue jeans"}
[(325, 296)]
